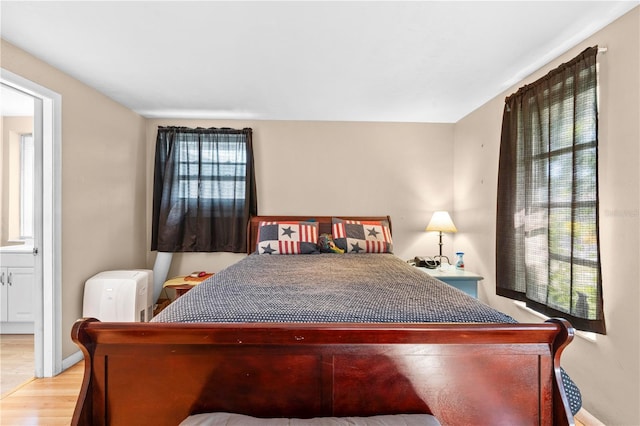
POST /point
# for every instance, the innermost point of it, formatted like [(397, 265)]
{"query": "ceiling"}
[(416, 61)]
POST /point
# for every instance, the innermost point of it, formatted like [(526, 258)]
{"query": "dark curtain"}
[(204, 190), (547, 242)]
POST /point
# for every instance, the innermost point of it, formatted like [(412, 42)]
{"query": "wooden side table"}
[(458, 278), (184, 283), (181, 289)]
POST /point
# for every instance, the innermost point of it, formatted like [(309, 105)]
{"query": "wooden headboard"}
[(323, 221)]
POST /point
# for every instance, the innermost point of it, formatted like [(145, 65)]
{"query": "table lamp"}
[(441, 222)]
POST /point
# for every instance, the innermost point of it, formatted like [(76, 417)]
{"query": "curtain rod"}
[(602, 50)]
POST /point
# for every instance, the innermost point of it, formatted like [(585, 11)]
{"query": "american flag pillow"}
[(289, 237), (355, 236)]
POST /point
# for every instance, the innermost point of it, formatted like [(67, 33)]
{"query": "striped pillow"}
[(289, 237), (354, 236)]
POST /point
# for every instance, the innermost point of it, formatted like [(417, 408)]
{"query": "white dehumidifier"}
[(120, 296)]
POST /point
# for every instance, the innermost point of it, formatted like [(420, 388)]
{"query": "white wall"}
[(341, 168), (607, 370)]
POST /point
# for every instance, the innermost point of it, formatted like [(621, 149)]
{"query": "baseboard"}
[(72, 360), (16, 327)]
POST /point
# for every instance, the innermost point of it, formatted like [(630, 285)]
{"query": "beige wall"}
[(341, 168), (103, 182), (607, 369), (11, 129)]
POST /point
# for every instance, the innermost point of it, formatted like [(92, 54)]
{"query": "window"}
[(213, 172), (547, 250), (26, 186), (204, 190)]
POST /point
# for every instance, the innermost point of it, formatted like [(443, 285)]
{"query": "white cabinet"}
[(16, 298), (17, 293)]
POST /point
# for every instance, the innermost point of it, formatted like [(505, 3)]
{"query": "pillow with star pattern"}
[(290, 237), (353, 236)]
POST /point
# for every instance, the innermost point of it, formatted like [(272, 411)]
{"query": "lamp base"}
[(441, 257)]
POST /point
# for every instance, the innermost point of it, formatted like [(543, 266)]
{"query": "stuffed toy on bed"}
[(326, 244)]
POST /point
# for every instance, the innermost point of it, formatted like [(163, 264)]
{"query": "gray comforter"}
[(326, 288)]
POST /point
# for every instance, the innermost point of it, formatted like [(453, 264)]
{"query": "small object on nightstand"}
[(460, 261), (425, 262)]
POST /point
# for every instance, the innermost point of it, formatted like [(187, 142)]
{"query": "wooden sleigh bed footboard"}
[(159, 373)]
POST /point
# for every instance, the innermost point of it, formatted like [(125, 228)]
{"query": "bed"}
[(334, 336)]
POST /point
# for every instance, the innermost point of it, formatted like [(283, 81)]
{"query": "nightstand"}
[(458, 278), (184, 283)]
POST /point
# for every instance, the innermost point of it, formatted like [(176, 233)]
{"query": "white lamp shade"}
[(441, 221)]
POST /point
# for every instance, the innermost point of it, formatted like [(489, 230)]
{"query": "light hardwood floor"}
[(47, 401), (16, 361), (25, 400)]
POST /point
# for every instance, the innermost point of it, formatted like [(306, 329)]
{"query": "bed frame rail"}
[(158, 374)]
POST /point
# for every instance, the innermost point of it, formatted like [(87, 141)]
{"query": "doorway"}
[(17, 262), (45, 248)]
